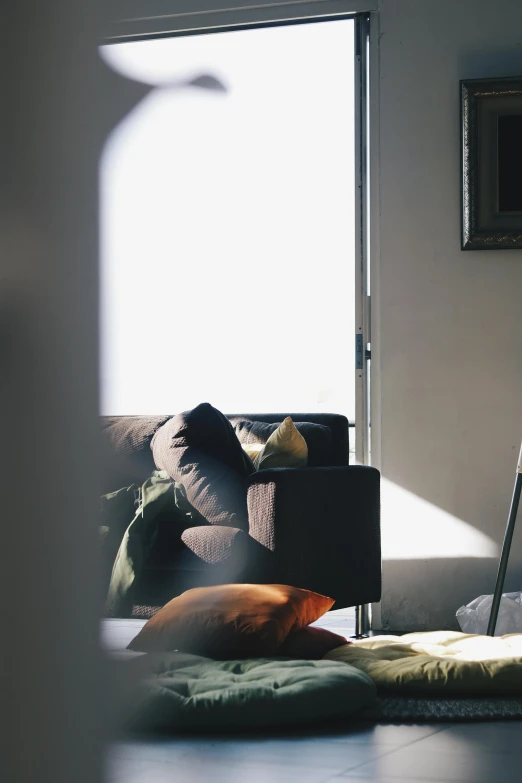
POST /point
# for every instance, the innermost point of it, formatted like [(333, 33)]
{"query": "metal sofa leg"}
[(363, 620)]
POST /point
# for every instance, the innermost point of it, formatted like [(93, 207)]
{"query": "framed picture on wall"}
[(491, 163)]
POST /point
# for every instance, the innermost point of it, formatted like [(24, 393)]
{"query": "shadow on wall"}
[(490, 63), (425, 594), (433, 563)]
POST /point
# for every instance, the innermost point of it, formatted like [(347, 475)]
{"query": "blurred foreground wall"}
[(50, 687)]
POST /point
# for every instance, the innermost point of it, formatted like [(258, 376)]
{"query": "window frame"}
[(138, 19)]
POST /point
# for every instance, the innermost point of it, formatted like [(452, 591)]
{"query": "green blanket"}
[(129, 529)]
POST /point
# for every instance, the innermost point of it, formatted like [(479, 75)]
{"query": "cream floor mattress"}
[(441, 661)]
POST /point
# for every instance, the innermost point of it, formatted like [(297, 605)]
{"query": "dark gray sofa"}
[(316, 527)]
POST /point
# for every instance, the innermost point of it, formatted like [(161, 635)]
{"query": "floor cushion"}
[(310, 643), (182, 692), (440, 661), (231, 621)]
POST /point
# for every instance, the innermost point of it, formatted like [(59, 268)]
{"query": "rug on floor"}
[(418, 709)]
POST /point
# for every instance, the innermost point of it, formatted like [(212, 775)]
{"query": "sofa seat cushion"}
[(439, 661), (179, 692), (217, 544), (200, 449)]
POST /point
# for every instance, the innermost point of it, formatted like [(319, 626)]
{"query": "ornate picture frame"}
[(491, 123)]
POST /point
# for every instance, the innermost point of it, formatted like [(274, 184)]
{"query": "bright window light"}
[(227, 225)]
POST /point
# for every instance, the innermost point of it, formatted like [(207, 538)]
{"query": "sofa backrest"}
[(337, 424), (127, 457)]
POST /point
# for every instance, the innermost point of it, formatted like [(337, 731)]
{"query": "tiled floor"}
[(449, 753), (338, 753)]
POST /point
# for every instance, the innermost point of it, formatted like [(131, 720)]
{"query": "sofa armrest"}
[(323, 527)]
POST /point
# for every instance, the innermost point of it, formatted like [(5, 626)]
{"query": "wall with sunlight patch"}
[(451, 321)]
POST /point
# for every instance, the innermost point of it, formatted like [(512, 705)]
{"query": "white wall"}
[(145, 17), (450, 321)]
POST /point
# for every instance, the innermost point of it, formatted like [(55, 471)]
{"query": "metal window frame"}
[(362, 320), (363, 612), (138, 19)]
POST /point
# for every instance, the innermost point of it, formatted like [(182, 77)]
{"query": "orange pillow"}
[(311, 643), (231, 621)]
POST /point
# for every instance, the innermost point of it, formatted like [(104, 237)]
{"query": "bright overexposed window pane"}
[(227, 225)]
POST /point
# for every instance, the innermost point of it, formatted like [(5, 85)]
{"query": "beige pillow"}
[(285, 448), (253, 449)]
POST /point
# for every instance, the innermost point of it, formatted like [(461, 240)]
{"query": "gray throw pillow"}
[(200, 449)]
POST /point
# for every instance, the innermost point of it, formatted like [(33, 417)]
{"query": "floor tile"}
[(206, 770), (494, 737), (334, 755), (276, 758), (353, 778), (384, 753), (338, 732), (331, 755), (387, 733), (468, 765)]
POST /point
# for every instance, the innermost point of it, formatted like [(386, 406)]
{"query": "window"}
[(227, 224)]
